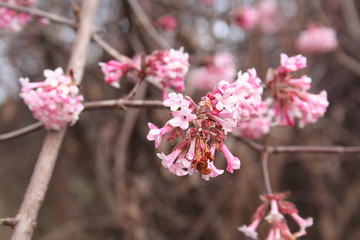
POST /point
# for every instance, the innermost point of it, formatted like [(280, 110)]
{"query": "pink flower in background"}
[(273, 210), (13, 20), (317, 40), (247, 17), (55, 101), (168, 68), (218, 67), (167, 22), (114, 71), (291, 99), (271, 19), (253, 128)]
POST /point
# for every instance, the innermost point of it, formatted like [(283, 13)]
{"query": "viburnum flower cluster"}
[(217, 67), (272, 211), (168, 68), (206, 125), (13, 20), (55, 101), (317, 39), (291, 99)]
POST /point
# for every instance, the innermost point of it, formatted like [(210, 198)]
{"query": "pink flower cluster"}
[(208, 122), (167, 22), (317, 40), (290, 94), (167, 68), (13, 20), (55, 101), (217, 67), (265, 17), (273, 210)]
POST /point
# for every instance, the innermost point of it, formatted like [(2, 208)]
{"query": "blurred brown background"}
[(86, 201)]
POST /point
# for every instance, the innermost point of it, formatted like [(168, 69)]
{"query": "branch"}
[(264, 163), (8, 222), (35, 193), (21, 131), (146, 24), (121, 103), (40, 13)]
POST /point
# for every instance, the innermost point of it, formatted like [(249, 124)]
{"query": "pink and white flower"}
[(13, 20), (114, 71), (247, 17), (55, 101)]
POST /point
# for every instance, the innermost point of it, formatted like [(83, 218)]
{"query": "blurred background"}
[(86, 200)]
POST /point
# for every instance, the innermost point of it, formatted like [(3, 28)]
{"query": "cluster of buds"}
[(13, 20), (217, 67), (167, 68), (207, 125), (264, 17), (317, 39), (290, 94), (273, 210), (55, 101)]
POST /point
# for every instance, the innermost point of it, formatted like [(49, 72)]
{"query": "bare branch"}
[(8, 222), (40, 13), (21, 131), (40, 179), (146, 24), (123, 103), (264, 163)]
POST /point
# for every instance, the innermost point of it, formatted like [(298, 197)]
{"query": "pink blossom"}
[(55, 101), (247, 17), (176, 101), (292, 64), (168, 68), (156, 134), (167, 22), (182, 118), (233, 162), (291, 99), (249, 231), (317, 40), (271, 19), (115, 70), (217, 67), (253, 128), (279, 228), (13, 20)]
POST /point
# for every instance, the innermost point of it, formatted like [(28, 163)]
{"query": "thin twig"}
[(39, 182), (123, 103), (314, 149), (21, 131), (146, 24), (40, 13), (8, 222), (264, 163)]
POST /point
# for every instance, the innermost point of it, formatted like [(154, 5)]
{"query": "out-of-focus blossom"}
[(114, 71), (253, 128), (247, 17), (271, 20), (167, 22), (14, 20), (291, 99), (273, 210), (168, 68), (217, 67), (55, 101), (317, 40)]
